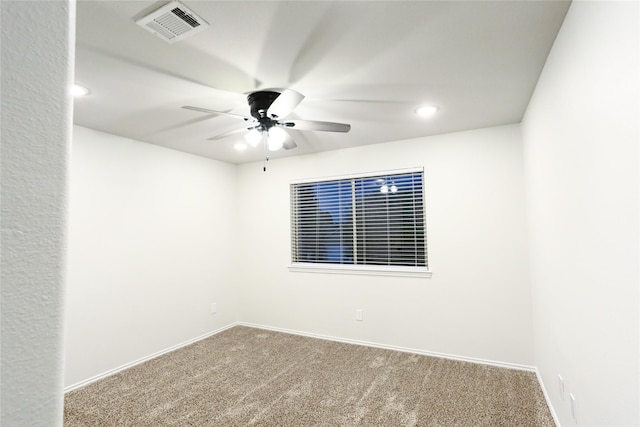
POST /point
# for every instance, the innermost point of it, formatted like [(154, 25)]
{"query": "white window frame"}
[(358, 269)]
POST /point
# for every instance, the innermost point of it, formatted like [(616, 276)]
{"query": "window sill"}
[(361, 270)]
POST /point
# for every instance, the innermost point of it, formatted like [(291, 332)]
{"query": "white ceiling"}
[(364, 63)]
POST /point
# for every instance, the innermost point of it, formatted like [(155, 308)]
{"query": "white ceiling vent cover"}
[(173, 22)]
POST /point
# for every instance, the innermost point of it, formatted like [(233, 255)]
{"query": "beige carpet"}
[(252, 377)]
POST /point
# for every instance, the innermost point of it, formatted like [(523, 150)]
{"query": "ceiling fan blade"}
[(227, 134), (206, 110), (320, 126), (285, 103)]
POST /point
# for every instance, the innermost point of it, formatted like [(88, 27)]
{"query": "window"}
[(366, 221)]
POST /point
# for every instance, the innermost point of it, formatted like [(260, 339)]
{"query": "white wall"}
[(477, 304), (581, 137), (151, 246), (36, 136)]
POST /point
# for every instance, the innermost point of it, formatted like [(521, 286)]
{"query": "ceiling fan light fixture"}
[(427, 110), (274, 145), (276, 138), (253, 137)]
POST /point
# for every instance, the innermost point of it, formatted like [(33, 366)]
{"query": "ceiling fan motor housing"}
[(261, 101)]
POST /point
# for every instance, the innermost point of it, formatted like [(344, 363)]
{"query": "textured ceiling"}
[(369, 64)]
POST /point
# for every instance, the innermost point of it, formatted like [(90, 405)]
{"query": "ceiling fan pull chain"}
[(266, 153)]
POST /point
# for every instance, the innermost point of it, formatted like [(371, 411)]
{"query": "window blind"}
[(366, 220)]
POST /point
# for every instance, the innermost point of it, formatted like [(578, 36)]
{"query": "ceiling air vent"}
[(173, 22)]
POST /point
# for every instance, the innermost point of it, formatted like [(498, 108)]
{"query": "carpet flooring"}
[(252, 377)]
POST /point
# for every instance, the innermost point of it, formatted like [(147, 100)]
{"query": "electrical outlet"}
[(214, 308), (574, 415), (359, 314), (561, 386)]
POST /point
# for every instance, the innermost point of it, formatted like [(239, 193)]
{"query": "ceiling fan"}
[(268, 109)]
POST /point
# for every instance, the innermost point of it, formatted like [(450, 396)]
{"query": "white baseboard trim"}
[(393, 347), (547, 399), (319, 336), (144, 359)]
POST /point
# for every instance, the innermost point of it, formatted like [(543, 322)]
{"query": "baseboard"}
[(547, 399), (319, 336), (393, 347), (144, 359)]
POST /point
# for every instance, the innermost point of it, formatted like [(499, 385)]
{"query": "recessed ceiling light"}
[(79, 90), (427, 110)]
